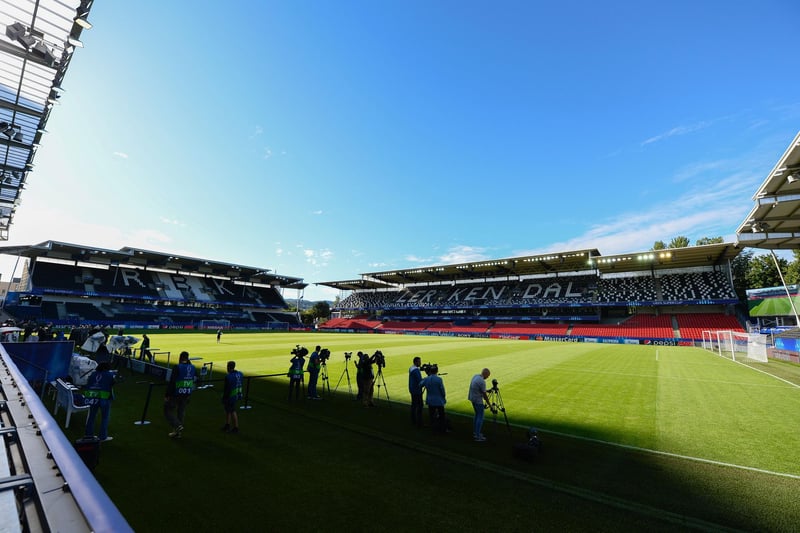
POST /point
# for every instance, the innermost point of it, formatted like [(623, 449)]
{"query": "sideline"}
[(586, 494)]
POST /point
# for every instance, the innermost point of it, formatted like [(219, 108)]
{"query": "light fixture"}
[(75, 42), (80, 18), (791, 178), (18, 136)]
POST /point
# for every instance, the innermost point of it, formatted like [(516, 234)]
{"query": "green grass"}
[(635, 436)]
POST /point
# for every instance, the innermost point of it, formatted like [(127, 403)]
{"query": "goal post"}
[(736, 345)]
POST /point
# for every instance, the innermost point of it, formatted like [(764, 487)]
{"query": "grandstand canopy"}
[(146, 259), (37, 40), (774, 220), (547, 264)]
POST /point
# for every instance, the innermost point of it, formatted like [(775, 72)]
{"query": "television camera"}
[(348, 355), (324, 354), (430, 368), (300, 351), (379, 359)]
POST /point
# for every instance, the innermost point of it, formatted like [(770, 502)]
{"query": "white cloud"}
[(679, 130), (708, 212), (267, 153), (318, 258), (172, 222), (317, 212), (121, 155), (464, 254), (258, 131)]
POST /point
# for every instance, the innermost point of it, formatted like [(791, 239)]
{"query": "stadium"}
[(661, 399)]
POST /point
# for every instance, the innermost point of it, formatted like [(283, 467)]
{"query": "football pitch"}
[(676, 400), (634, 438)]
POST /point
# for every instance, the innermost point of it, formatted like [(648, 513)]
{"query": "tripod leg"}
[(502, 407)]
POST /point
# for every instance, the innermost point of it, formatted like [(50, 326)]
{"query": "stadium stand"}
[(68, 285), (578, 294), (692, 325)]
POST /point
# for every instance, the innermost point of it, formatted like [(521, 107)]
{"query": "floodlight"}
[(80, 18), (791, 178), (18, 136), (75, 42)]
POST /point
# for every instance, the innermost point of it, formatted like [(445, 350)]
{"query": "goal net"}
[(215, 324), (736, 345)]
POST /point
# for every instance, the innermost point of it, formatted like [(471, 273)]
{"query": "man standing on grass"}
[(436, 398), (313, 374), (477, 395), (98, 394), (180, 387), (230, 395), (415, 389), (144, 349)]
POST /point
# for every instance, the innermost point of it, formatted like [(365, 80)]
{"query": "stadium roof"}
[(36, 45), (774, 221), (547, 264), (146, 259)]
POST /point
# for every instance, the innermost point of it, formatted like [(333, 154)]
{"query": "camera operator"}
[(313, 374), (436, 398), (296, 371), (366, 378), (415, 389), (479, 398)]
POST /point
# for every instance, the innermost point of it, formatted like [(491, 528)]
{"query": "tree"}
[(709, 240), (321, 310), (793, 271), (762, 272), (659, 245), (740, 268), (679, 242)]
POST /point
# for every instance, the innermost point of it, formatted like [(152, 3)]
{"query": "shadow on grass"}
[(335, 465)]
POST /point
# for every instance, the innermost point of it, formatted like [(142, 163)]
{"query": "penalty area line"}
[(675, 455)]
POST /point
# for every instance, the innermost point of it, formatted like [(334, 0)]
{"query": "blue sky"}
[(327, 139)]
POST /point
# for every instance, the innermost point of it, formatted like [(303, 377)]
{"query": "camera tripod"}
[(378, 381), (496, 404), (323, 375), (345, 372)]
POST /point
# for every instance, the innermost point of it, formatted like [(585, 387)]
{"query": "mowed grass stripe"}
[(687, 402)]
